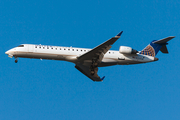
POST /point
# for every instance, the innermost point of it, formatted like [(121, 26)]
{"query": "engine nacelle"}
[(127, 50)]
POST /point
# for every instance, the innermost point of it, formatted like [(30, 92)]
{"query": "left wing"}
[(87, 71), (91, 59)]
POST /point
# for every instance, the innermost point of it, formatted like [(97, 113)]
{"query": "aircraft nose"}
[(7, 52)]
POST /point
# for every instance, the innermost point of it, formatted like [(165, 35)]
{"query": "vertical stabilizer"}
[(153, 48)]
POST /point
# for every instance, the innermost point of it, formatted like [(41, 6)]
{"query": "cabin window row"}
[(66, 49), (60, 48)]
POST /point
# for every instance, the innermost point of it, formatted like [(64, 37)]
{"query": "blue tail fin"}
[(153, 48)]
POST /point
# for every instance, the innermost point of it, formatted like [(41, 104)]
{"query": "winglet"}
[(102, 78), (119, 35)]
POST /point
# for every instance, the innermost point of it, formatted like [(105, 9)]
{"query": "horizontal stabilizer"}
[(165, 40), (164, 49)]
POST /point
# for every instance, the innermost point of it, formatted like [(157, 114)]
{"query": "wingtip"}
[(118, 35), (102, 78), (172, 36)]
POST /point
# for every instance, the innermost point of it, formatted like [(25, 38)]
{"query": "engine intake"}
[(127, 50)]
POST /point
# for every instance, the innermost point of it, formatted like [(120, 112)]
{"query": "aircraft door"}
[(31, 48)]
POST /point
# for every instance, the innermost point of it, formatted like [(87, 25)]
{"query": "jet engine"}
[(127, 50)]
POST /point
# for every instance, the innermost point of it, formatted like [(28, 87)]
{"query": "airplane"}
[(86, 60)]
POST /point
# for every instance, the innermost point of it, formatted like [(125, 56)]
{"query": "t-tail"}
[(153, 48)]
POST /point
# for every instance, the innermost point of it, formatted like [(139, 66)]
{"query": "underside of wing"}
[(88, 62), (87, 71)]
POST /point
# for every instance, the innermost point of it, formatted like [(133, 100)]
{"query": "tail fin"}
[(153, 48)]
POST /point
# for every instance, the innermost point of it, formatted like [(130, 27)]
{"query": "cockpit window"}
[(21, 46)]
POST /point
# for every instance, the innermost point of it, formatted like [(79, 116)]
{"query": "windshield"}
[(21, 46)]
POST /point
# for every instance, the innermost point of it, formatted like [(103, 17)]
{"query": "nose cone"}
[(156, 59), (7, 52)]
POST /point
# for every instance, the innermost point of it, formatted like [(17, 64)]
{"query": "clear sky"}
[(54, 90)]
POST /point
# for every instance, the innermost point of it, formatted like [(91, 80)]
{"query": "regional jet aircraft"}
[(87, 61)]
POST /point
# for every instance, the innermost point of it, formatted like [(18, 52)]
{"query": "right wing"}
[(99, 50), (88, 62)]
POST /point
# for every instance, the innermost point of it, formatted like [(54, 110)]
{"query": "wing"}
[(87, 71), (99, 50), (91, 59)]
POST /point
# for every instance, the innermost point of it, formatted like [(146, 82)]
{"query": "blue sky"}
[(35, 89)]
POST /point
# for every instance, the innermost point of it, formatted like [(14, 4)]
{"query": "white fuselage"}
[(70, 54)]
